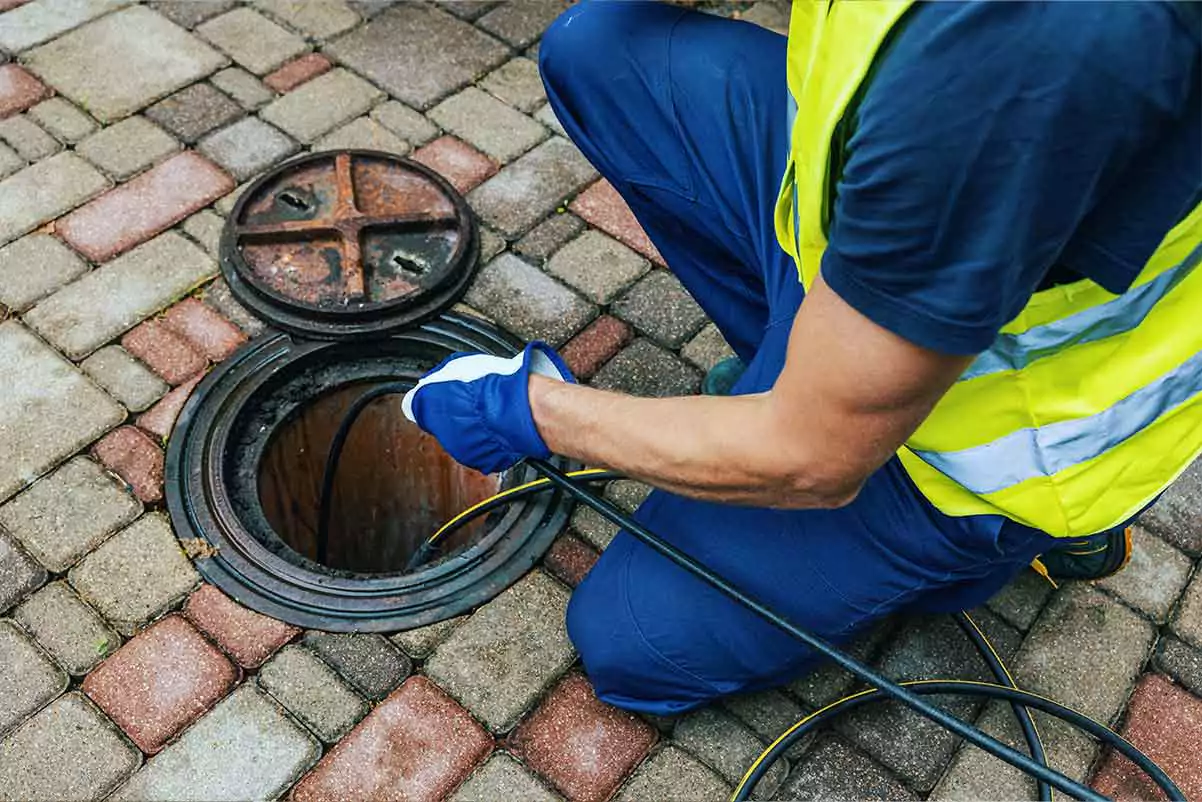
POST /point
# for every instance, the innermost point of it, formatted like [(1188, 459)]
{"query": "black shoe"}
[(1093, 557)]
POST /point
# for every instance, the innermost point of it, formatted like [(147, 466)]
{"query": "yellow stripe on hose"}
[(504, 493)]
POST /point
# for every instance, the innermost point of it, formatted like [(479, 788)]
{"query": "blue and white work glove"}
[(478, 406)]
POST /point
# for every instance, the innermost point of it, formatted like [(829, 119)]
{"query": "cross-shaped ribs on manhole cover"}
[(351, 228)]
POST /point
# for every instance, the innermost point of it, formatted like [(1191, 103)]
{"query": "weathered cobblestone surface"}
[(98, 98)]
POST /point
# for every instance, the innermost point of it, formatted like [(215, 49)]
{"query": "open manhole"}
[(355, 255)]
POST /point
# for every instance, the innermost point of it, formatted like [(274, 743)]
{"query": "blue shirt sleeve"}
[(988, 134)]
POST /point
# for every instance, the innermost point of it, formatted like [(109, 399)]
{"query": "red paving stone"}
[(602, 206), (418, 744), (458, 162), (137, 210), (569, 559), (585, 747), (160, 682), (249, 637), (167, 353), (9, 5), (590, 349), (204, 328), (160, 419), (1165, 722), (18, 89), (297, 72), (134, 457)]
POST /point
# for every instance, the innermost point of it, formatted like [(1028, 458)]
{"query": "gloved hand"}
[(478, 406)]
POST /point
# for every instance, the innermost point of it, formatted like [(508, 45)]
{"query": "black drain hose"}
[(908, 693), (326, 497)]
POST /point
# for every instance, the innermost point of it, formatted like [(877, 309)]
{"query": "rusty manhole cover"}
[(349, 244)]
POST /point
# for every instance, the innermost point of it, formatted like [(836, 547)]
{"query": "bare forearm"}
[(723, 449)]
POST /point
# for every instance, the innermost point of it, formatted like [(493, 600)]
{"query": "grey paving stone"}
[(252, 40), (528, 302), (932, 646), (548, 236), (321, 105), (128, 147), (321, 20), (10, 161), (69, 630), (766, 713), (467, 9), (1177, 516), (247, 147), (726, 746), (190, 13), (1153, 578), (365, 133), (19, 574), (671, 774), (60, 118), (1085, 651), (28, 678), (491, 126), (1020, 602), (217, 295), (48, 408), (598, 266), (643, 368), (117, 64), (708, 348), (194, 111), (528, 189), (135, 285), (44, 191), (28, 139), (596, 530), (491, 244), (42, 20), (502, 777), (974, 775), (205, 227), (828, 682), (368, 662), (521, 24), (246, 89), (406, 123), (1187, 620), (419, 643), (502, 658), (627, 493), (244, 748), (660, 307), (301, 682), (68, 513), (69, 750), (834, 769), (33, 267), (125, 378), (442, 54), (546, 116), (518, 83), (136, 574), (1182, 662)]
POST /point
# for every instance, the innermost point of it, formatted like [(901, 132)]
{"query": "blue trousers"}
[(685, 114)]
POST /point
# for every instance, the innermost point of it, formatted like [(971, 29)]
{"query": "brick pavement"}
[(126, 132)]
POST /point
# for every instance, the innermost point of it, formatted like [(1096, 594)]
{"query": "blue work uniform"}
[(686, 114)]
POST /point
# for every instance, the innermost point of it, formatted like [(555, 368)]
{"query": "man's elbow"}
[(819, 489)]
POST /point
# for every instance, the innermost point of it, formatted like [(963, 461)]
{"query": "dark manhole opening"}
[(355, 256), (393, 486)]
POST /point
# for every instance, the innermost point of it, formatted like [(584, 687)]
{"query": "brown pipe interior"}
[(395, 485)]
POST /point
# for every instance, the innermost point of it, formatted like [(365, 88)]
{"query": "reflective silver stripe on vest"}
[(1122, 314), (791, 115), (1046, 450)]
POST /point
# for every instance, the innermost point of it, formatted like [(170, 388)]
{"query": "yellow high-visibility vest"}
[(1087, 405)]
